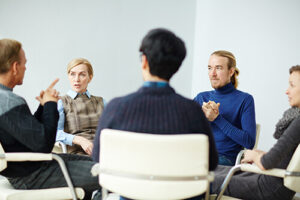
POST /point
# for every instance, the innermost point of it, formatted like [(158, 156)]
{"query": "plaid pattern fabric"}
[(81, 117)]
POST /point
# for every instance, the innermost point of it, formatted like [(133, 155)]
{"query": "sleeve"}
[(106, 121), (285, 145), (245, 136), (62, 136), (205, 128), (36, 135), (38, 113), (104, 103), (198, 99)]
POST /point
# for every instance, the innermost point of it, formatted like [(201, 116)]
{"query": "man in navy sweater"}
[(230, 111), (155, 107)]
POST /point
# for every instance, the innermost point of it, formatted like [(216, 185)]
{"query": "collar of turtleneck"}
[(225, 89)]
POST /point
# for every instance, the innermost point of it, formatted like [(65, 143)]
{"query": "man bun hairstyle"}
[(231, 64)]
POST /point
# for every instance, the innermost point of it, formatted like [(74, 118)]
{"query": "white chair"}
[(7, 192), (290, 175), (60, 147), (148, 166), (257, 136)]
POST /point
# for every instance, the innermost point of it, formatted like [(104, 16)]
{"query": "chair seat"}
[(9, 193)]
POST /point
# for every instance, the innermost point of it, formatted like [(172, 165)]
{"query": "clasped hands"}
[(211, 110), (50, 94)]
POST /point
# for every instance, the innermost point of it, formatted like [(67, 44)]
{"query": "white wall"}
[(262, 34), (264, 37), (106, 32)]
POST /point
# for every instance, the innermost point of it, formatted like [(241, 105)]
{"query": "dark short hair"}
[(295, 68), (164, 52)]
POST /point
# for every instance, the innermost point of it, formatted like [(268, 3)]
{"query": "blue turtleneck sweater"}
[(235, 127)]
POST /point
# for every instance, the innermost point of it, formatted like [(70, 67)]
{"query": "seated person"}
[(79, 111), (230, 111), (156, 108), (246, 185), (20, 131)]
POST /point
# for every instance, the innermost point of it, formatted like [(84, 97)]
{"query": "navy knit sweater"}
[(157, 110), (20, 131), (235, 127)]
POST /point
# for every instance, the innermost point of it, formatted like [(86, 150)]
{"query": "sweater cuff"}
[(262, 160), (220, 122), (50, 104)]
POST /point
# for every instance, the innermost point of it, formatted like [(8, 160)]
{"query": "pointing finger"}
[(53, 83)]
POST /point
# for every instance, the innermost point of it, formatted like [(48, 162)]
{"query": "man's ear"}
[(232, 71), (144, 62), (14, 68)]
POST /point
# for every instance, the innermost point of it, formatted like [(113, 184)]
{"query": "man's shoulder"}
[(203, 95), (187, 103), (244, 95), (129, 98), (9, 100)]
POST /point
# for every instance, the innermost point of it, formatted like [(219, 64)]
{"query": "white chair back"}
[(3, 163), (257, 136), (292, 178), (148, 166)]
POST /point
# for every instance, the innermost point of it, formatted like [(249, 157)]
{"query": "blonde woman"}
[(79, 111)]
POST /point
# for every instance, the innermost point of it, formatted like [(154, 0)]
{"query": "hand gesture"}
[(211, 110), (253, 156), (85, 144), (50, 94)]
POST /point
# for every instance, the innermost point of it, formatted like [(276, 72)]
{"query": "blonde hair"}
[(9, 53), (78, 61), (231, 64)]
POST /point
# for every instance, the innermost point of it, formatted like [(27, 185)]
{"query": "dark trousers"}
[(51, 176)]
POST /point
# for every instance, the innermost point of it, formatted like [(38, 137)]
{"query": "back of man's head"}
[(164, 52), (9, 53)]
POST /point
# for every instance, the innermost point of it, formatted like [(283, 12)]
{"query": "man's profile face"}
[(21, 68), (218, 72)]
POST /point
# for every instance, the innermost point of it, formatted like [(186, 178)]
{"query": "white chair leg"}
[(66, 175), (104, 193), (227, 180)]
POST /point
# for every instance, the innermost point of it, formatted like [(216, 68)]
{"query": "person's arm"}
[(285, 145), (203, 126), (24, 127), (104, 103), (254, 156), (62, 136), (245, 136), (46, 117)]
